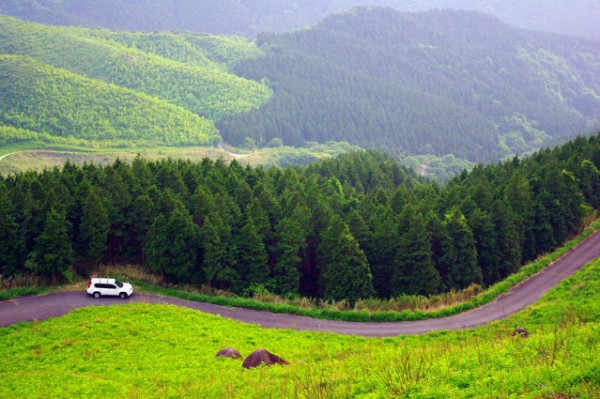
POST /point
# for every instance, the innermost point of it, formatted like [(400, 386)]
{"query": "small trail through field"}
[(524, 294), (6, 155)]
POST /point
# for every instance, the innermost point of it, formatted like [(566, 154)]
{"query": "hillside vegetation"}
[(183, 79), (54, 102), (441, 82), (353, 227), (458, 87), (170, 352)]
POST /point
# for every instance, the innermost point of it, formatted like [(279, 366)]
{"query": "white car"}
[(98, 287)]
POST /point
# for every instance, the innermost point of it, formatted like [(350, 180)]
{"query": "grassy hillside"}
[(33, 151), (205, 88), (43, 101), (142, 350), (439, 82), (122, 87)]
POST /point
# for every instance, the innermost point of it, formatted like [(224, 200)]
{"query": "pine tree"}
[(9, 236), (488, 256), (414, 271), (141, 217), (52, 256), (507, 239), (182, 251), (381, 250), (286, 273), (218, 262), (252, 265), (156, 246), (344, 270), (460, 257), (94, 227)]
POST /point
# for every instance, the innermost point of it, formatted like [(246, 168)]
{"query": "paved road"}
[(57, 304)]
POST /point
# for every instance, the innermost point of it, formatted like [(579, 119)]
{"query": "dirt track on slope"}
[(42, 307)]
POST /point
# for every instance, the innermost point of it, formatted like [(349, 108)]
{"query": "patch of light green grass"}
[(145, 351)]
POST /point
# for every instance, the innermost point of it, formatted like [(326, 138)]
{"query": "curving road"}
[(57, 304)]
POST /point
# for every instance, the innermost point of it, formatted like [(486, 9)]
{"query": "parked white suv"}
[(98, 287)]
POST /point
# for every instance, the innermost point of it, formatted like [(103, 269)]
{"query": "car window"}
[(119, 284)]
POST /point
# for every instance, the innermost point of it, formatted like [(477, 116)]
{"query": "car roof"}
[(103, 280)]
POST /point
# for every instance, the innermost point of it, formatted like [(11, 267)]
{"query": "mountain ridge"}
[(250, 17), (405, 82)]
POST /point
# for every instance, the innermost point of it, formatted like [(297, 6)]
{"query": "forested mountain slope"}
[(437, 82), (249, 17), (352, 227), (187, 74), (55, 102)]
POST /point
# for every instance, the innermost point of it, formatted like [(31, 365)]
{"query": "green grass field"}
[(143, 350), (36, 155)]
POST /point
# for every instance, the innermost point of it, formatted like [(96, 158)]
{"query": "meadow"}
[(39, 155), (143, 351)]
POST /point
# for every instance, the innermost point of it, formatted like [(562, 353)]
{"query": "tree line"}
[(356, 226)]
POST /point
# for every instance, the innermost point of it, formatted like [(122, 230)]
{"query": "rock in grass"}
[(522, 332), (262, 356), (230, 353)]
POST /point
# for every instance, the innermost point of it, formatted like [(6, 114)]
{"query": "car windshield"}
[(119, 283)]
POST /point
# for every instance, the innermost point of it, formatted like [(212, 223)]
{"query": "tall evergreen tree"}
[(156, 246), (52, 255), (94, 227), (286, 273), (9, 235), (381, 249), (182, 236), (414, 271), (344, 270), (218, 263), (508, 239), (252, 264), (460, 255), (142, 216), (488, 256)]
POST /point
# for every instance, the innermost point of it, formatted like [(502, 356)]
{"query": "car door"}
[(110, 290)]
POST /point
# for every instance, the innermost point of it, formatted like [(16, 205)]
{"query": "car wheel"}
[(97, 295), (123, 295)]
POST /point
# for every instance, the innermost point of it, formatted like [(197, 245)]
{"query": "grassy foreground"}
[(143, 350)]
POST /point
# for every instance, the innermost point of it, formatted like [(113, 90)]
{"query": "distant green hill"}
[(435, 83), (54, 102), (197, 83), (440, 82), (101, 85)]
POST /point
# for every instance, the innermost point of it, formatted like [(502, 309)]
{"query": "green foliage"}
[(348, 228), (206, 89), (94, 227), (460, 253), (414, 270), (40, 98), (345, 271), (252, 255), (106, 86), (52, 255), (422, 84)]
